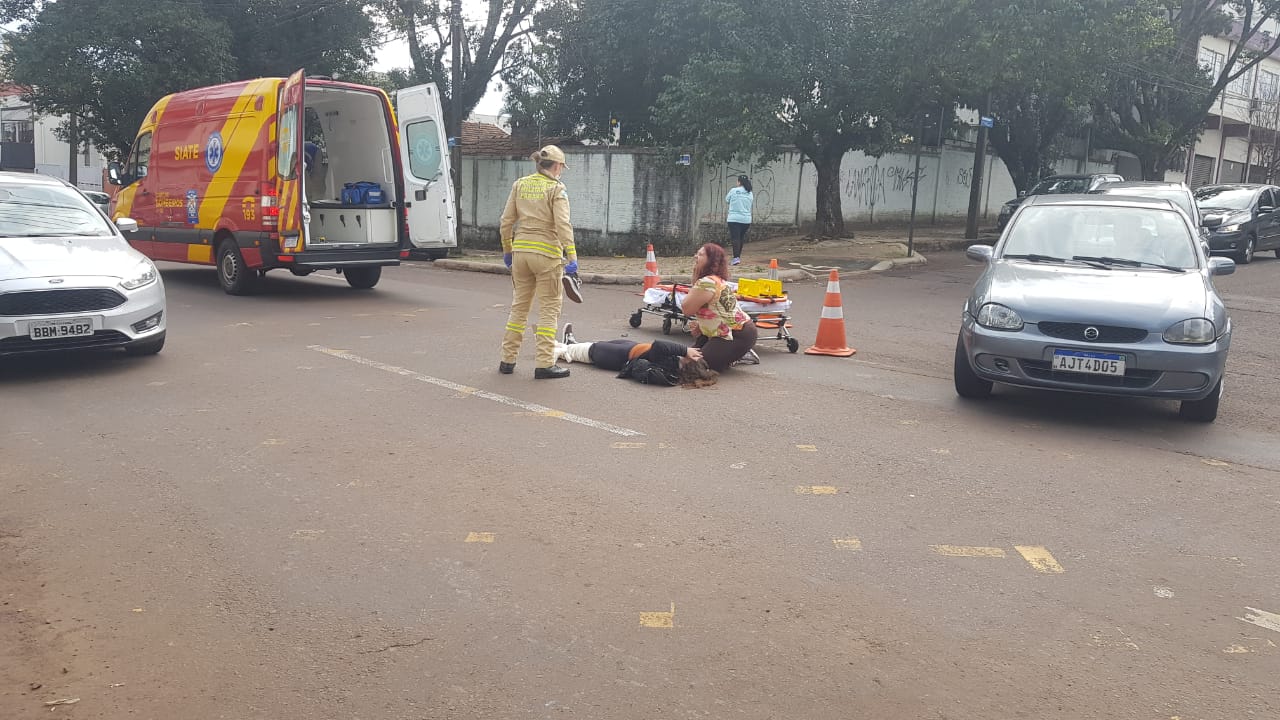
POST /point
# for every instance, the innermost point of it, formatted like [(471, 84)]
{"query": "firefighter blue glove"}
[(572, 267), (506, 259)]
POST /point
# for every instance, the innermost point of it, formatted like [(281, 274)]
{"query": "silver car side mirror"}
[(1221, 266), (980, 253), (128, 225)]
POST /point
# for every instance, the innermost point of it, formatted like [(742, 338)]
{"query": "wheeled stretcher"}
[(767, 313)]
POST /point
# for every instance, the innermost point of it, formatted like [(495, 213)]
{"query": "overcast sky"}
[(395, 54)]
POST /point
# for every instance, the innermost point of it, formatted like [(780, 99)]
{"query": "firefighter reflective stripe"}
[(571, 249), (546, 332), (535, 246), (516, 328)]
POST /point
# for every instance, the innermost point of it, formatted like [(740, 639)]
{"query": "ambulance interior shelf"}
[(351, 131)]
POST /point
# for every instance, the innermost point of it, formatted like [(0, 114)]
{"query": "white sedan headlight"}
[(1194, 331), (998, 317), (143, 274)]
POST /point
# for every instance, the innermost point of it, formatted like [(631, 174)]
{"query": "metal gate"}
[(1201, 171)]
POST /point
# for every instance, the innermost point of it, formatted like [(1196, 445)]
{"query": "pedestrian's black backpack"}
[(649, 373)]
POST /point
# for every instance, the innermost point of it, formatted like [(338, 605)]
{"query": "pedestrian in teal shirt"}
[(740, 201)]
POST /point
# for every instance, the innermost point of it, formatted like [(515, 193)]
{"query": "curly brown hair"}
[(717, 263), (696, 374)]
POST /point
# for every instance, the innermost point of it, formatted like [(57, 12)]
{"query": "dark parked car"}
[(1241, 219), (1057, 185)]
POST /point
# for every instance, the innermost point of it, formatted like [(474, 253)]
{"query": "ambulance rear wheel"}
[(234, 275), (362, 278)]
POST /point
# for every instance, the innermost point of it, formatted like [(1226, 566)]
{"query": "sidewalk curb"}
[(603, 279)]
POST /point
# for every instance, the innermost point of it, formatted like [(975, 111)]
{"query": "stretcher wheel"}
[(666, 326), (635, 319), (793, 344)]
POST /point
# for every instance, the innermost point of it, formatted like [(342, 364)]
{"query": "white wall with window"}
[(18, 124)]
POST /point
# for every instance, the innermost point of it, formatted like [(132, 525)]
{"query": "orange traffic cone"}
[(651, 276), (773, 269), (831, 337)]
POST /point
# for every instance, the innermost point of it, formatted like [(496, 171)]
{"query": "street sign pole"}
[(979, 165), (915, 189)]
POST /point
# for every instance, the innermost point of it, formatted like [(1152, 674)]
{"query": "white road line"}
[(1262, 619), (475, 392)]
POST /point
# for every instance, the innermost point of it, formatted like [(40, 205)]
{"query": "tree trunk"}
[(830, 216), (1154, 163)]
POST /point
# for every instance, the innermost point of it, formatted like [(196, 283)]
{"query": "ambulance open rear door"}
[(424, 154)]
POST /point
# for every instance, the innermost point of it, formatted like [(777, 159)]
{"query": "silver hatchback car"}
[(1098, 294), (68, 278)]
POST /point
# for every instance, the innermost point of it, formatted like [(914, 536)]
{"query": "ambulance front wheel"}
[(635, 319), (362, 278), (234, 275)]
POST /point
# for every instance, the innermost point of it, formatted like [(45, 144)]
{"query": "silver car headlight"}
[(1193, 331), (998, 317), (143, 274)]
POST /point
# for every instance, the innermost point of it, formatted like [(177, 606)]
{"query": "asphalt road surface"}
[(323, 503)]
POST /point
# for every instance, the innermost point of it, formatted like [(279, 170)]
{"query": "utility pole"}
[(73, 142), (456, 119), (979, 168)]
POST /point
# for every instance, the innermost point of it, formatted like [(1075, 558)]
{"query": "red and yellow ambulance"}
[(300, 173)]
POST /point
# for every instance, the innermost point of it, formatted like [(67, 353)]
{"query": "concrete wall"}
[(624, 199)]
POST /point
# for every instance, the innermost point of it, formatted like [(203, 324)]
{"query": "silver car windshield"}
[(47, 211), (1127, 235)]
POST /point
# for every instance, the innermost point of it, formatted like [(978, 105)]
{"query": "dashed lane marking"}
[(663, 620), (1039, 558), (847, 543), (967, 551), (1262, 619), (807, 448), (479, 537), (477, 393), (629, 445), (816, 490)]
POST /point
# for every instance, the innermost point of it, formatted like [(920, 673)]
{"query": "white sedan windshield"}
[(1066, 232), (47, 211)]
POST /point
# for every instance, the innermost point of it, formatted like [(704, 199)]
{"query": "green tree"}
[(1155, 106), (271, 38), (819, 75), (1035, 66), (107, 61), (490, 47), (604, 60)]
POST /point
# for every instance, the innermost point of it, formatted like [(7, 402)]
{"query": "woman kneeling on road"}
[(677, 363), (724, 332)]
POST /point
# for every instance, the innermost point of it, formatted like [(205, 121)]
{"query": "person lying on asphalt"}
[(677, 364)]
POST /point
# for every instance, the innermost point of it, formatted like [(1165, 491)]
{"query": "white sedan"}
[(68, 278)]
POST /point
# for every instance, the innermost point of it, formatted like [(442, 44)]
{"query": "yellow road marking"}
[(658, 619), (816, 490), (807, 448), (1215, 463), (967, 551), (479, 537), (1039, 558), (628, 446), (848, 543)]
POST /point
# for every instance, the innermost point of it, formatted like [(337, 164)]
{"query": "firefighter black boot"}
[(549, 373), (506, 368)]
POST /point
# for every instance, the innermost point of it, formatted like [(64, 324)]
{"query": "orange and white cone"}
[(831, 336), (773, 269), (651, 276)]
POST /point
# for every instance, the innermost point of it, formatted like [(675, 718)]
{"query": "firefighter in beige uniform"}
[(537, 239)]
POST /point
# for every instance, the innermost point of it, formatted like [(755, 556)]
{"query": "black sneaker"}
[(572, 287), (550, 373), (569, 339), (506, 368)]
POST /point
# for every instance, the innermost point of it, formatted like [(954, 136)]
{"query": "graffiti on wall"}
[(721, 179), (964, 177), (871, 186)]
